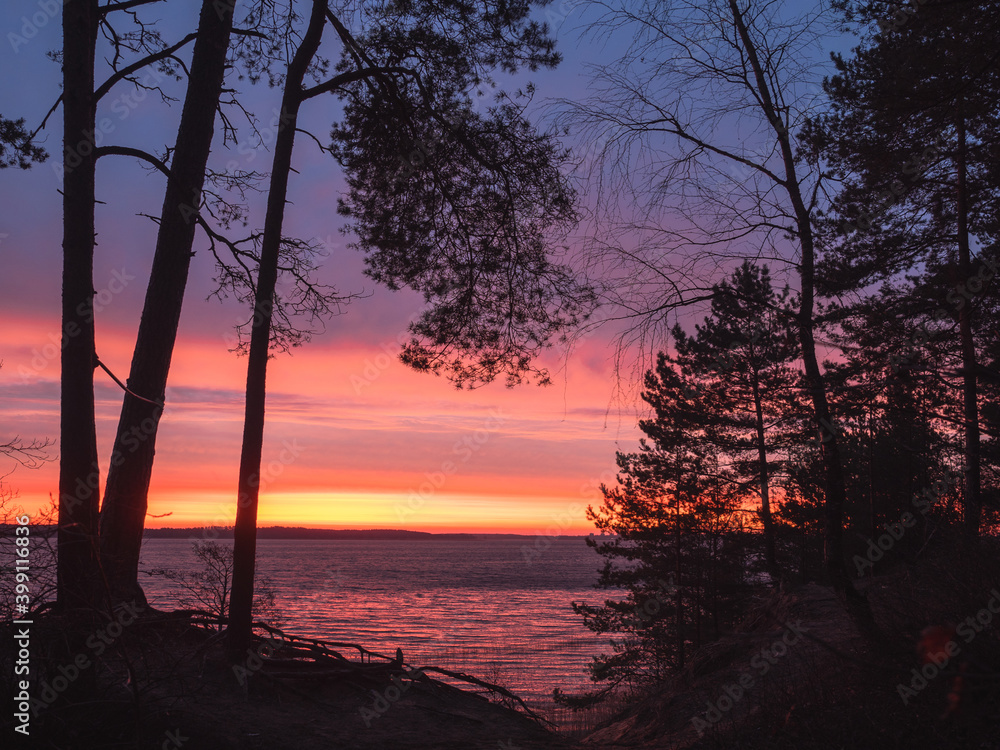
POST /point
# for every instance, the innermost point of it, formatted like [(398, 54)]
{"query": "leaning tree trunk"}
[(836, 493), (245, 528), (79, 478), (124, 512), (835, 486)]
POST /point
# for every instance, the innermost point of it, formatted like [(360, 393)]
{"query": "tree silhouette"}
[(901, 427), (742, 353), (912, 135), (699, 122), (79, 476), (675, 543), (240, 609), (454, 204), (466, 225), (16, 147), (123, 513)]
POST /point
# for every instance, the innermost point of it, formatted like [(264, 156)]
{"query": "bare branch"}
[(124, 5), (45, 119), (125, 72), (31, 454), (350, 77)]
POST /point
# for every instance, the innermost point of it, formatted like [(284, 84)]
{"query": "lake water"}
[(477, 605)]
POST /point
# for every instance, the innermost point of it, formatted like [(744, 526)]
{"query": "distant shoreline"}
[(298, 532), (301, 532)]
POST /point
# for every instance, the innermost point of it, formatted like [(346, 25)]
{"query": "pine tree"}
[(743, 352), (676, 545), (913, 136)]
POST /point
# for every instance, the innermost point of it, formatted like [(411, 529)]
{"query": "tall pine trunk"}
[(678, 570), (79, 476), (248, 492), (970, 396), (770, 556), (126, 494)]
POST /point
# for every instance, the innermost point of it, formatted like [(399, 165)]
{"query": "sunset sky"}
[(353, 439)]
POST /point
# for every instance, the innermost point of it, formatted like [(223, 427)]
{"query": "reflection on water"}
[(467, 604)]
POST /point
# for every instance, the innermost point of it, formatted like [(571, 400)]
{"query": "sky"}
[(353, 438)]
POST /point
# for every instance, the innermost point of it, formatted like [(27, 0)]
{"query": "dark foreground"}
[(796, 674)]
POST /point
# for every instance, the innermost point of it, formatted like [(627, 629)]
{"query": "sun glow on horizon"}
[(437, 512), (353, 440)]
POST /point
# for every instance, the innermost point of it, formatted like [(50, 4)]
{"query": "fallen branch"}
[(324, 647), (325, 650), (489, 686)]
